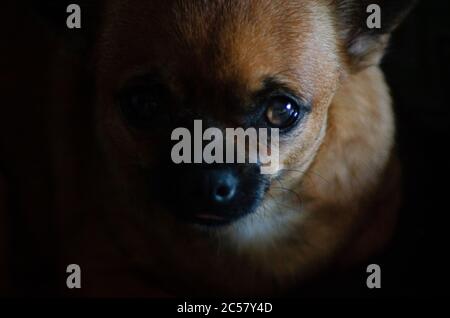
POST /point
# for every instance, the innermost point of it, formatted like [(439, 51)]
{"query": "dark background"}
[(417, 68)]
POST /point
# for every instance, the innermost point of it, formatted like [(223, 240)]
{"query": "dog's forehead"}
[(216, 41), (240, 38)]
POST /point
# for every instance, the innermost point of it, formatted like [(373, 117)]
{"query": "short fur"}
[(332, 203), (336, 165)]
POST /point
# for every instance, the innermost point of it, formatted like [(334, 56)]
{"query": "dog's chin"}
[(264, 218), (260, 226)]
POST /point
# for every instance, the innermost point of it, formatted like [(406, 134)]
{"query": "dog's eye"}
[(139, 105), (282, 112)]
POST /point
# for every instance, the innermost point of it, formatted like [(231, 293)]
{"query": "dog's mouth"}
[(210, 214), (208, 196), (210, 219)]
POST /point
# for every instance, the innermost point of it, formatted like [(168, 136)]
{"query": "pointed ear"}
[(365, 43)]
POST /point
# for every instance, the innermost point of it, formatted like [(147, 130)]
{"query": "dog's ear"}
[(365, 44), (53, 13)]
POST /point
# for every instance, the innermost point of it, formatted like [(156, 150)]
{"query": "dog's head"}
[(278, 64)]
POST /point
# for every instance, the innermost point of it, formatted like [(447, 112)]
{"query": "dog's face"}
[(264, 64)]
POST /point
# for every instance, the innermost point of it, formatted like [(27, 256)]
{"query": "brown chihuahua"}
[(309, 68), (306, 67)]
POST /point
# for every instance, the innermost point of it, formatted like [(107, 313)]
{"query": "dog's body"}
[(332, 202)]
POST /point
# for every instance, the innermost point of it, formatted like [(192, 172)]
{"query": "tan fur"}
[(334, 165), (338, 166), (331, 205)]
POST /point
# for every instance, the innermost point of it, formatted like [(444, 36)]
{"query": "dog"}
[(308, 68)]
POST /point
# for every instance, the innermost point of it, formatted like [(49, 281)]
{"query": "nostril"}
[(224, 191)]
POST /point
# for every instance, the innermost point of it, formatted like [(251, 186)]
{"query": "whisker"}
[(279, 204), (306, 172), (282, 187)]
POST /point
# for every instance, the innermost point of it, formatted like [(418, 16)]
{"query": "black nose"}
[(220, 187), (215, 194), (211, 195)]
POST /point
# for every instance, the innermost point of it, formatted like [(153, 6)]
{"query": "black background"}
[(418, 70)]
